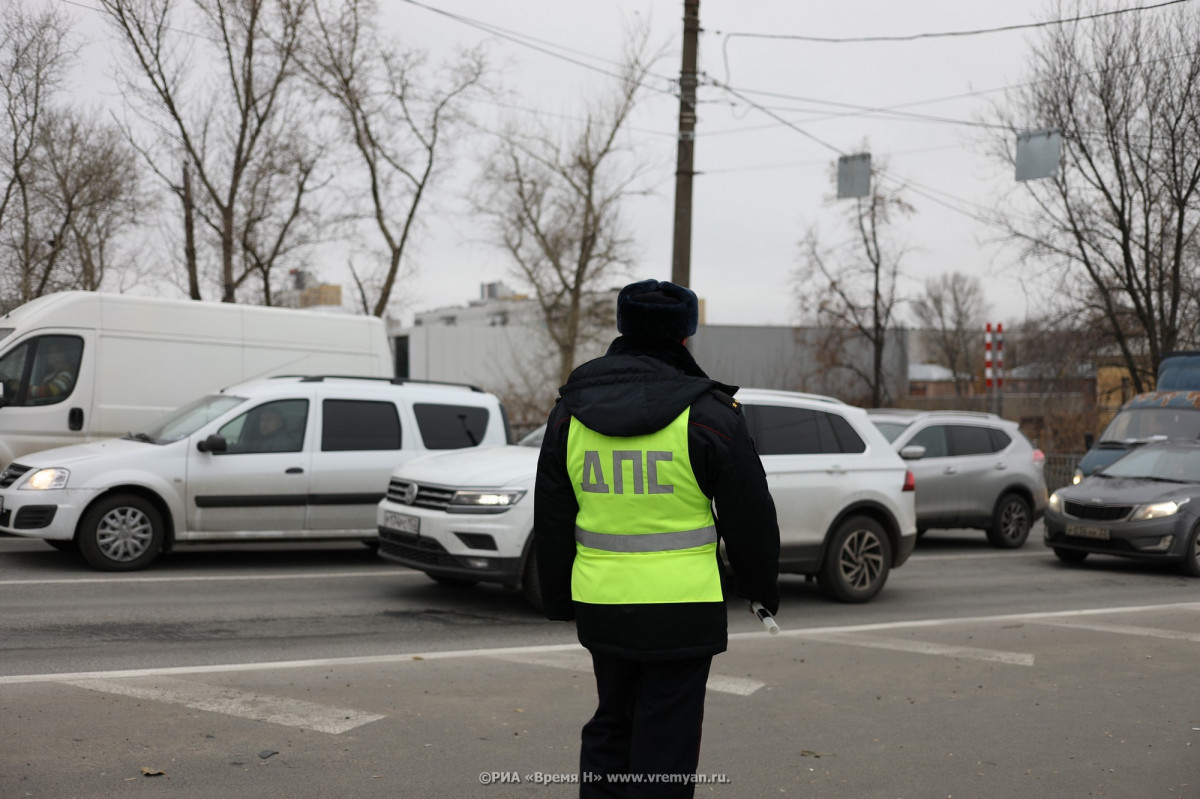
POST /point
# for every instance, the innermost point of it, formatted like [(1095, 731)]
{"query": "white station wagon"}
[(285, 458)]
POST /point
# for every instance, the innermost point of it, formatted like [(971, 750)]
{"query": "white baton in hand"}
[(764, 616)]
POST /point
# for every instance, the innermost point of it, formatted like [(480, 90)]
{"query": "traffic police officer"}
[(639, 448)]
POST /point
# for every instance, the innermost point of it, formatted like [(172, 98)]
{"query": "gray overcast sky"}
[(761, 185)]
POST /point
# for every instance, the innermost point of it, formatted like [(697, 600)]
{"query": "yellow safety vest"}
[(645, 531)]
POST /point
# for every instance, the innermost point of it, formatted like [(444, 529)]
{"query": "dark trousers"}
[(647, 722)]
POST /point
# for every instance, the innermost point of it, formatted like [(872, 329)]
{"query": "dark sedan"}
[(1145, 505)]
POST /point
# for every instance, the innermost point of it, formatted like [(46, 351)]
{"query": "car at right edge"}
[(1145, 505), (974, 470)]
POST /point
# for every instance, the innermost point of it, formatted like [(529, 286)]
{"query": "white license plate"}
[(401, 521), (1082, 531)]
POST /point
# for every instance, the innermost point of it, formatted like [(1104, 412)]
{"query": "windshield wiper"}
[(140, 437)]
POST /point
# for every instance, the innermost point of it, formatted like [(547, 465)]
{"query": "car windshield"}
[(1177, 465), (890, 430), (184, 421), (1143, 424), (533, 439)]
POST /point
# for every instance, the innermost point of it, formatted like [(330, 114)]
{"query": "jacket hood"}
[(637, 388)]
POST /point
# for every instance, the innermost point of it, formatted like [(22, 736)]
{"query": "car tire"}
[(857, 560), (119, 533), (531, 582), (1190, 565), (1011, 521), (1069, 555)]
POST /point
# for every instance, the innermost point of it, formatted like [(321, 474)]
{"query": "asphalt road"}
[(320, 671)]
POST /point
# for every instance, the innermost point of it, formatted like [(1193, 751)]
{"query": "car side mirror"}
[(1088, 440), (913, 452), (213, 443)]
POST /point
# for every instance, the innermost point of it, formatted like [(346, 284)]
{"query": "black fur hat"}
[(657, 309)]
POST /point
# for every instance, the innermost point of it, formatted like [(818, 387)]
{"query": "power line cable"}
[(947, 34), (541, 45)]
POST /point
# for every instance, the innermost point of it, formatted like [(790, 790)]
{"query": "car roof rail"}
[(395, 381)]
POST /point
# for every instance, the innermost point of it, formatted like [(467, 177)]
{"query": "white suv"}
[(285, 458), (844, 500)]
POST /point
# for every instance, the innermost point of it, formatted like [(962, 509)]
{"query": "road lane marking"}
[(232, 702), (925, 648), (917, 558), (216, 579), (1124, 629), (581, 661), (371, 660)]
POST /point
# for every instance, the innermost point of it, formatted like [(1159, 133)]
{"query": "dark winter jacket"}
[(638, 388)]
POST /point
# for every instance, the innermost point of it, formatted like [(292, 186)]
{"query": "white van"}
[(77, 366)]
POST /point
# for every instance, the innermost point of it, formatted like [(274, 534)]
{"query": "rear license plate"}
[(402, 522), (1082, 531)]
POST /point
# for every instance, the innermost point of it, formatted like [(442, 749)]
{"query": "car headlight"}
[(1077, 478), (1054, 502), (46, 479), (496, 501), (1156, 510)]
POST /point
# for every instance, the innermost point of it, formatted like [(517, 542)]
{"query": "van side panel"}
[(145, 356)]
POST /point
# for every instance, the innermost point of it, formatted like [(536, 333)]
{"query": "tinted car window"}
[(450, 426), (933, 439), (784, 431), (970, 440), (848, 440), (1000, 439), (800, 431), (353, 425)]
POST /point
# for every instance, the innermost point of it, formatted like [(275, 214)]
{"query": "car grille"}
[(413, 549), (1099, 513), (10, 475), (432, 497)]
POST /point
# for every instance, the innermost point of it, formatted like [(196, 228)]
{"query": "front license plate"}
[(402, 522), (1082, 531)]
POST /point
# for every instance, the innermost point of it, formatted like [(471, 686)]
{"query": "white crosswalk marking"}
[(1124, 629), (582, 661), (232, 702), (925, 648)]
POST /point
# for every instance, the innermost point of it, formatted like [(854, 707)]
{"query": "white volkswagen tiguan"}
[(843, 496)]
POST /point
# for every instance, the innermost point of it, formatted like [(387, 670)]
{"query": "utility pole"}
[(681, 256)]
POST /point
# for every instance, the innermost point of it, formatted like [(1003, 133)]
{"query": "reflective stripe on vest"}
[(645, 531)]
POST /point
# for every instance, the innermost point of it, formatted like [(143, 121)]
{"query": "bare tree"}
[(952, 309), (69, 181), (398, 117), (853, 289), (554, 200), (227, 118), (1117, 225)]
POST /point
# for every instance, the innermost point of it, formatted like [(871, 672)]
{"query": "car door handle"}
[(294, 470), (1000, 466), (835, 470), (949, 470)]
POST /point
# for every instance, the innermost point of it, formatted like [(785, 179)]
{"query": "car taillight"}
[(1039, 457), (910, 482)]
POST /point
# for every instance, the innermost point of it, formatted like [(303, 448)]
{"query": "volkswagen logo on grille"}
[(410, 493)]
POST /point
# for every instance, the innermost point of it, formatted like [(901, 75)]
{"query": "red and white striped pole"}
[(1000, 368), (987, 357)]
